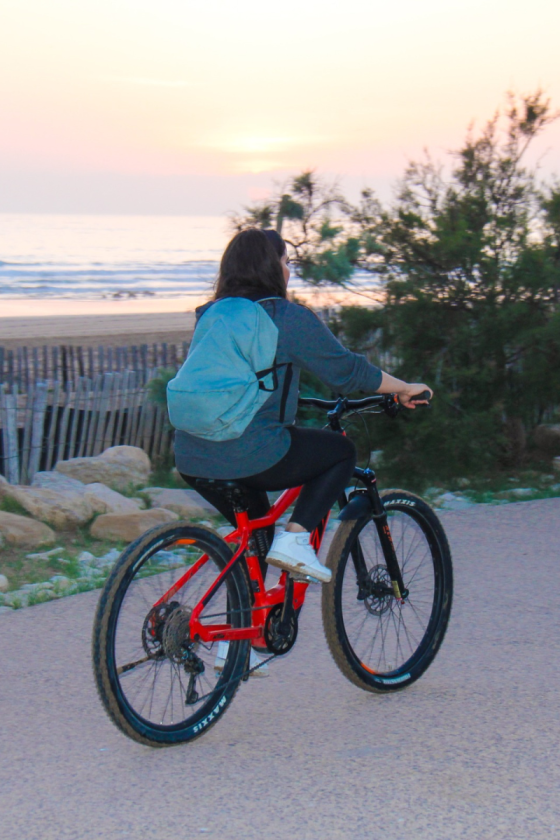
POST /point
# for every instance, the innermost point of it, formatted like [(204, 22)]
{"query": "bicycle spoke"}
[(149, 665), (385, 634)]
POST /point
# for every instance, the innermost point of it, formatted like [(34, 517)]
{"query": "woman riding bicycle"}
[(272, 453)]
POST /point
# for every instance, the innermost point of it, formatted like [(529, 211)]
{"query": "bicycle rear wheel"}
[(378, 642), (157, 684)]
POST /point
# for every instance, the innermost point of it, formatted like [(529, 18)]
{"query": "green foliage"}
[(472, 271), (470, 268), (157, 386), (309, 214)]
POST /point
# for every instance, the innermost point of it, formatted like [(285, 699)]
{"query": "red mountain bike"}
[(160, 616)]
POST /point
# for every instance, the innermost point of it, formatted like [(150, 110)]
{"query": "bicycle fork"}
[(379, 515)]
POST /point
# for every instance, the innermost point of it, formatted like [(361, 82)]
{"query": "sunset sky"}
[(196, 106)]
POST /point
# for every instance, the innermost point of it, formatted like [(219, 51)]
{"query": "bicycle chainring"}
[(280, 640)]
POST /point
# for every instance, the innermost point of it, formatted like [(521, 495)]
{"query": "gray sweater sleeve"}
[(311, 345)]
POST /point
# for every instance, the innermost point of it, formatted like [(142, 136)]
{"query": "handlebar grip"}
[(425, 395)]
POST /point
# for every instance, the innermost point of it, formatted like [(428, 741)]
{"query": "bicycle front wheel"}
[(379, 642), (158, 685)]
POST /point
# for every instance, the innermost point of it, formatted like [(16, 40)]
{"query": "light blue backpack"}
[(229, 373)]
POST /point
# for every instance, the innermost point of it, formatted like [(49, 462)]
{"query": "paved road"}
[(471, 751)]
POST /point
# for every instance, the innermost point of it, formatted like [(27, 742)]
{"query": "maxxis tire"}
[(339, 645), (104, 625)]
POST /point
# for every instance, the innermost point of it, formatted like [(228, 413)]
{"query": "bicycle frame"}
[(287, 592), (264, 599)]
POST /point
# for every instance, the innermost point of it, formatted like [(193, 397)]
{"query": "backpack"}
[(229, 373)]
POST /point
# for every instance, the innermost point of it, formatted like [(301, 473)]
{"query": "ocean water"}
[(115, 257), (55, 256)]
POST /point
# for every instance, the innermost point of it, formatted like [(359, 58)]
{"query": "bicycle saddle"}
[(231, 490), (218, 484)]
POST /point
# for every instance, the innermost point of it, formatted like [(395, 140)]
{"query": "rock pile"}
[(119, 467), (80, 489)]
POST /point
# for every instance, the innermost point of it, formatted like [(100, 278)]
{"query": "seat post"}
[(242, 518)]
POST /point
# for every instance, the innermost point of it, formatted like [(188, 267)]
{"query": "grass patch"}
[(10, 505), (170, 479), (19, 569)]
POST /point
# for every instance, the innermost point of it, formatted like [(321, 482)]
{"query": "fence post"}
[(102, 415), (8, 413), (37, 426)]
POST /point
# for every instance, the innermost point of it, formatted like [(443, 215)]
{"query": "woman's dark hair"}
[(278, 243), (250, 265)]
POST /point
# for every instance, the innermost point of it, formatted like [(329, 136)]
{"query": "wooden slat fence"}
[(54, 421), (24, 366)]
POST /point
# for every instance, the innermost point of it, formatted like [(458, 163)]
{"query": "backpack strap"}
[(262, 374)]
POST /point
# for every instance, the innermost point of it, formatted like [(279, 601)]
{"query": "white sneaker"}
[(292, 551), (254, 659)]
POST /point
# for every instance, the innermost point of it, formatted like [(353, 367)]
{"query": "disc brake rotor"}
[(377, 601)]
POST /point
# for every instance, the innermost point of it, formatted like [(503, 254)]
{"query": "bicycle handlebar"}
[(389, 402)]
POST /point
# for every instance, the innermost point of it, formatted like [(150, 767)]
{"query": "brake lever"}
[(392, 405)]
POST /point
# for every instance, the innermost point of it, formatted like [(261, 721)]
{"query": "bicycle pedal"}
[(303, 578)]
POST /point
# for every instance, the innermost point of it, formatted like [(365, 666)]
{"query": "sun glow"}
[(178, 89)]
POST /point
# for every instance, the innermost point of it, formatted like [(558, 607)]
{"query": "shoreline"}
[(99, 329), (38, 322)]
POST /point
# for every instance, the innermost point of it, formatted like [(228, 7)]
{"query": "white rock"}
[(60, 581), (185, 503), (111, 555), (129, 526), (63, 510), (105, 500), (452, 501), (118, 467), (85, 557), (520, 492), (21, 531), (36, 587), (108, 559), (89, 572), (4, 583), (45, 555), (53, 480), (17, 598), (42, 595)]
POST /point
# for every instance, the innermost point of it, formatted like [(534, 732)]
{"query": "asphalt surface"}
[(470, 751)]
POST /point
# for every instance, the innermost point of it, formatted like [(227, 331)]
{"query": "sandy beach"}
[(106, 323)]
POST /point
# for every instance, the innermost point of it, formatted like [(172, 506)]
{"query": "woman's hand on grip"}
[(408, 397)]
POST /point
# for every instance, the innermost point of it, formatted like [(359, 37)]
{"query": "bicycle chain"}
[(245, 676)]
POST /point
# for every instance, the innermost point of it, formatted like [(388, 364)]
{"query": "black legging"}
[(321, 460)]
